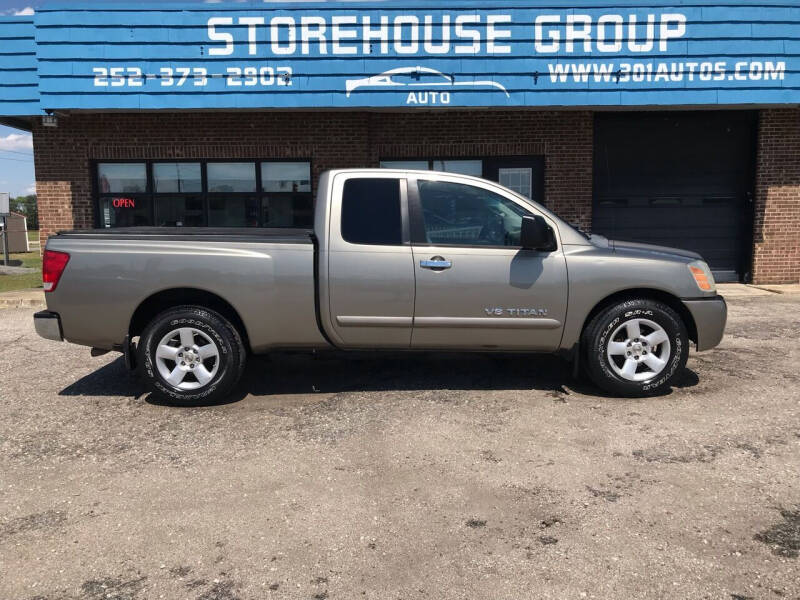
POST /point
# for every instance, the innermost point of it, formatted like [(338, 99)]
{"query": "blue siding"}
[(19, 80), (734, 52)]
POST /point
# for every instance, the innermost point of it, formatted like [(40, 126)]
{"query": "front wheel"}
[(636, 347), (191, 355)]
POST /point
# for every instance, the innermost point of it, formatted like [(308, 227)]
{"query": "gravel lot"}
[(386, 476)]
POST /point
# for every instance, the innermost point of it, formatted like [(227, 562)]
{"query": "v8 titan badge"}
[(515, 312)]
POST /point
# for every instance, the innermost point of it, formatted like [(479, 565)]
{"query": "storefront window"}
[(125, 211), (122, 178), (418, 165), (177, 178), (232, 212), (231, 177), (180, 211), (463, 167), (286, 176), (518, 179), (214, 194)]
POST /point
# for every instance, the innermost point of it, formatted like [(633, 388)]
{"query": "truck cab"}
[(427, 260)]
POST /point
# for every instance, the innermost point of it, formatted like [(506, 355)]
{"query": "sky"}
[(16, 162)]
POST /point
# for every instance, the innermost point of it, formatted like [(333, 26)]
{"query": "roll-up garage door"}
[(678, 179)]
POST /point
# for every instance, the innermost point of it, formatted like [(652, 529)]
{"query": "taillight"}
[(53, 265)]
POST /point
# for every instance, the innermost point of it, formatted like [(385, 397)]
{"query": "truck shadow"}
[(337, 372)]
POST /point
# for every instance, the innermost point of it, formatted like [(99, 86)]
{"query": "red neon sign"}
[(124, 203)]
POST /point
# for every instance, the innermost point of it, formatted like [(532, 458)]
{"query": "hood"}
[(652, 249)]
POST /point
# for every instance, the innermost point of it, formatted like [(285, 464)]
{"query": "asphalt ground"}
[(404, 476)]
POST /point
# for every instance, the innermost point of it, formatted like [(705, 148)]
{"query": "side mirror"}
[(536, 233)]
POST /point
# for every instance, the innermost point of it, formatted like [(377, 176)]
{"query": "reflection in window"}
[(419, 165), (466, 215), (122, 178), (176, 178), (127, 211), (286, 176), (288, 210), (232, 212), (196, 194), (180, 211), (463, 167), (231, 177)]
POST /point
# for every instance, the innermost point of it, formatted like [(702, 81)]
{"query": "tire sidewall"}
[(609, 320), (213, 325)]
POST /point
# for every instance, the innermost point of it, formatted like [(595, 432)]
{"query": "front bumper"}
[(710, 316), (48, 325)]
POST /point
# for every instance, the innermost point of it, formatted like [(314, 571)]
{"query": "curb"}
[(26, 299)]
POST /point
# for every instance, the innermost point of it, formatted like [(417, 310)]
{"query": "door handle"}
[(437, 263)]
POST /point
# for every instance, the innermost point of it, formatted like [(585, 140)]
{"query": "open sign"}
[(124, 203)]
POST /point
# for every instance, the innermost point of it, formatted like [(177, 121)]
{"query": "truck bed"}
[(214, 234), (266, 275)]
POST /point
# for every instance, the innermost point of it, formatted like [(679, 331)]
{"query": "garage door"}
[(678, 179)]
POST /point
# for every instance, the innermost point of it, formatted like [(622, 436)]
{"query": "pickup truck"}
[(397, 260)]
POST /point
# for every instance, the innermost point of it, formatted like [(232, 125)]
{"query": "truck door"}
[(370, 264), (476, 287)]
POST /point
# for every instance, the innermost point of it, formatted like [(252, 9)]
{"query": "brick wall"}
[(776, 256), (64, 154), (341, 139)]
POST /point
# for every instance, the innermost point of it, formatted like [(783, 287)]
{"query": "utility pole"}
[(5, 201), (5, 241)]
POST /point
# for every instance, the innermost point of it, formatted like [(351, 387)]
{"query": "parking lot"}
[(403, 476)]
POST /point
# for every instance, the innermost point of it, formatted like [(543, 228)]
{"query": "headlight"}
[(702, 276)]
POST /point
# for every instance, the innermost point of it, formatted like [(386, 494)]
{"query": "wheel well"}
[(167, 299), (672, 301)]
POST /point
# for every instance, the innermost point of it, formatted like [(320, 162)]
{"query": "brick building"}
[(676, 126)]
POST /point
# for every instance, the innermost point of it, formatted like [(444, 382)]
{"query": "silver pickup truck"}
[(402, 260)]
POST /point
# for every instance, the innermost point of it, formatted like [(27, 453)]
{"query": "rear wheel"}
[(191, 355), (636, 347)]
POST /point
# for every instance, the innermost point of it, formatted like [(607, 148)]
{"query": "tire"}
[(205, 374), (621, 353)]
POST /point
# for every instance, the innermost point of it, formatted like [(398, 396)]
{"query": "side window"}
[(465, 215), (371, 212)]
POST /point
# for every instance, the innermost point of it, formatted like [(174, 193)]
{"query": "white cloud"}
[(18, 12), (18, 142), (31, 189)]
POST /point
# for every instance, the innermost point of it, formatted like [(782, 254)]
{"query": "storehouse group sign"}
[(387, 54)]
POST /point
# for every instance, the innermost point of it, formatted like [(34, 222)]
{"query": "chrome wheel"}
[(187, 358), (638, 349)]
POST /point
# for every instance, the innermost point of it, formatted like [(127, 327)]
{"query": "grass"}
[(10, 283), (33, 236)]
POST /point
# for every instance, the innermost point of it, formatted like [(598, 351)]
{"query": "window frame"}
[(337, 242), (152, 197), (417, 221), (402, 196)]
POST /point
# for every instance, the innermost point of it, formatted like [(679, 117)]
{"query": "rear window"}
[(371, 212)]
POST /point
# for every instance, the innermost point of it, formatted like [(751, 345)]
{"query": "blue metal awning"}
[(348, 55)]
